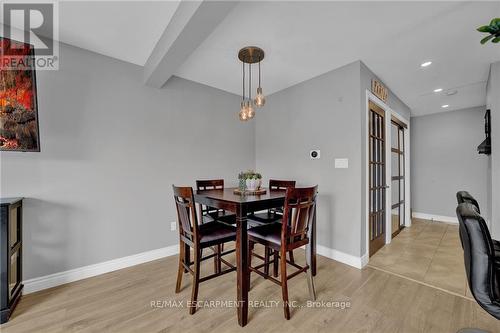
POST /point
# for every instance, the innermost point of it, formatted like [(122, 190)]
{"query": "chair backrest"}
[(298, 212), (275, 184), (186, 213), (210, 184), (479, 255), (464, 196)]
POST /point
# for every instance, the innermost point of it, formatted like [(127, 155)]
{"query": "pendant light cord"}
[(243, 81), (250, 82), (259, 72)]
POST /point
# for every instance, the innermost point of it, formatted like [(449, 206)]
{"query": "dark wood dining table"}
[(241, 205)]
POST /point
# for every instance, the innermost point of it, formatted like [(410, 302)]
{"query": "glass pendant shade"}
[(243, 112), (260, 99), (250, 110)]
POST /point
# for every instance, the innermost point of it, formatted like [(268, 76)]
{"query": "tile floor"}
[(427, 252)]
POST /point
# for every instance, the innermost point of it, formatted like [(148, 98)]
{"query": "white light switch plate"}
[(341, 163), (173, 226)]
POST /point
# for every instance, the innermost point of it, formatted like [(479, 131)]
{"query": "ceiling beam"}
[(191, 24)]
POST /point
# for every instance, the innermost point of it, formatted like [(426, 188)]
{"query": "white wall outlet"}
[(173, 226), (315, 154), (341, 163)]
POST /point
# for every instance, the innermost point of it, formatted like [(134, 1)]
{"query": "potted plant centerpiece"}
[(249, 180)]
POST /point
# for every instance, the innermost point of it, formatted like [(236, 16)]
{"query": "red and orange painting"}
[(18, 100)]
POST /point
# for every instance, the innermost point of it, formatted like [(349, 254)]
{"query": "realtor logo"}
[(34, 23)]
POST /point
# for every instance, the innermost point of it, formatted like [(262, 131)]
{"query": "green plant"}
[(493, 29), (250, 174)]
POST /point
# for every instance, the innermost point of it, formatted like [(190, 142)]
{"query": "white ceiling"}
[(306, 39), (303, 40), (125, 30)]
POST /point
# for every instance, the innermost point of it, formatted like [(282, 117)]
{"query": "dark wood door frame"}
[(377, 186), (401, 174)]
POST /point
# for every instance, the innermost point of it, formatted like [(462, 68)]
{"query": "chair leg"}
[(251, 246), (310, 281), (196, 281), (217, 257), (181, 269), (267, 255), (290, 253), (275, 264), (284, 285)]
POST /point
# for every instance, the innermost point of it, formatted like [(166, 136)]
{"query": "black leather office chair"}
[(481, 267), (464, 196)]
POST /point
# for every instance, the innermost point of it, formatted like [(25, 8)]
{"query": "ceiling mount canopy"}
[(250, 55)]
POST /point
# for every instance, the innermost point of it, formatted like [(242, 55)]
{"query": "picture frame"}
[(19, 122)]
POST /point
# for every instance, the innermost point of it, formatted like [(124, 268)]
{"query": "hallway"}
[(427, 252)]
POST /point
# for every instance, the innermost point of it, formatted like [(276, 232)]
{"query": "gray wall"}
[(444, 159), (111, 149), (493, 103), (366, 77), (328, 113), (322, 113)]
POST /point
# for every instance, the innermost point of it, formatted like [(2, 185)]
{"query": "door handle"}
[(386, 186)]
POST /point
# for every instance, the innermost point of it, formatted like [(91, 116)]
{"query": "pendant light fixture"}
[(250, 55), (243, 110), (260, 100)]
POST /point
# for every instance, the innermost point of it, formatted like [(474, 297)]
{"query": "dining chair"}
[(293, 232), (210, 214), (198, 237), (273, 215)]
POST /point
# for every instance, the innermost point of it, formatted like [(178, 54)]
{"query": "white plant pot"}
[(251, 184)]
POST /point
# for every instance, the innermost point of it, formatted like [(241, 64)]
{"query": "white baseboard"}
[(344, 258), (76, 274), (436, 218), (56, 279)]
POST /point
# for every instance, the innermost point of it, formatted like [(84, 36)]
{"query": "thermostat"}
[(315, 154)]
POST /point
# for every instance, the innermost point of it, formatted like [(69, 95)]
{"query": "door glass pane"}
[(395, 192), (402, 215), (394, 164), (402, 165), (402, 188), (401, 139), (394, 135)]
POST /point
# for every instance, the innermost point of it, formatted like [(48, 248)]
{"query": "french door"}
[(377, 178), (397, 176)]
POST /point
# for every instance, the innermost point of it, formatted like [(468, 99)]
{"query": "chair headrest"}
[(464, 196)]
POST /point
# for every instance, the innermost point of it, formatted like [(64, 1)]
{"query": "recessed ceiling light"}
[(438, 90), (425, 64), (451, 92), (444, 106)]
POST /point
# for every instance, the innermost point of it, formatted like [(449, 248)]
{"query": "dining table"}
[(242, 205)]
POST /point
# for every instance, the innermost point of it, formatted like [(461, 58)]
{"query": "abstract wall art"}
[(18, 97)]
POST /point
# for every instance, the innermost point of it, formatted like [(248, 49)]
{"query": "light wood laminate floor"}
[(428, 252), (121, 302)]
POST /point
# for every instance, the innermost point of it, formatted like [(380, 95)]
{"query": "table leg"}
[(313, 244), (242, 265)]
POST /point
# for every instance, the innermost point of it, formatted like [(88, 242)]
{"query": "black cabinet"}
[(11, 251)]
